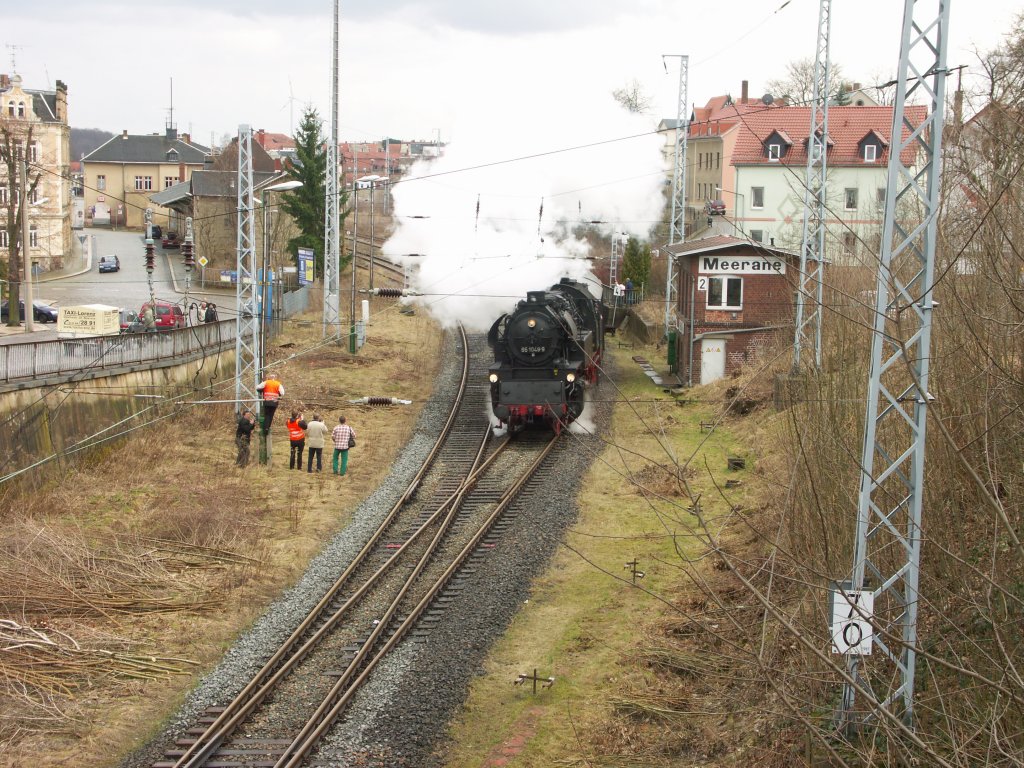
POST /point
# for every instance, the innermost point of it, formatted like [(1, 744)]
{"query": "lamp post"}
[(284, 186), (735, 213)]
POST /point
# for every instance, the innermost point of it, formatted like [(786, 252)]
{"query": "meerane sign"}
[(745, 265)]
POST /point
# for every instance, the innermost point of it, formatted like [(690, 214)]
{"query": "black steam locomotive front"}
[(543, 355)]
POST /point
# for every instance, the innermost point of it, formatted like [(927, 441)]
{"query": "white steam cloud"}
[(473, 266)]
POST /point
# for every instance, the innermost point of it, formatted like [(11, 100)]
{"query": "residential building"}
[(210, 197), (769, 163), (736, 299), (710, 144), (122, 174), (43, 115)]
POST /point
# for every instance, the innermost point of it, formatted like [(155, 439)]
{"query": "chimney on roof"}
[(181, 171), (743, 92), (5, 81), (186, 138), (261, 137), (62, 101), (856, 87), (124, 134)]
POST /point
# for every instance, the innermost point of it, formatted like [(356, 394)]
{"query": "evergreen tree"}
[(307, 204), (636, 262)]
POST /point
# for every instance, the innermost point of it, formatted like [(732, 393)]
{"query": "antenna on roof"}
[(14, 60), (171, 127)]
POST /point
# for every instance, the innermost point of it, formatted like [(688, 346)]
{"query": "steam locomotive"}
[(546, 353)]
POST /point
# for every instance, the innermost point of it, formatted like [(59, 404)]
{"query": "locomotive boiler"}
[(547, 352)]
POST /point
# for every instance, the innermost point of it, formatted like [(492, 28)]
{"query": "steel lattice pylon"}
[(332, 224), (248, 365), (677, 226), (812, 250), (887, 552)]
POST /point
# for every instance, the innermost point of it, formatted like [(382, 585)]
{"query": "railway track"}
[(449, 514)]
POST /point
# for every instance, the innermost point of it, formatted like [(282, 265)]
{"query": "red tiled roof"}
[(271, 141), (846, 127), (720, 115)]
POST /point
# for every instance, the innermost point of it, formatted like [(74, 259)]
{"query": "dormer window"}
[(776, 146), (172, 155), (870, 153), (871, 146)]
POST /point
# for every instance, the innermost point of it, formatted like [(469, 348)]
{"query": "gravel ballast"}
[(399, 717)]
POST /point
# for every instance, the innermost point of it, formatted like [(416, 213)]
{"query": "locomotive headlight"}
[(570, 377), (493, 378), (531, 323)]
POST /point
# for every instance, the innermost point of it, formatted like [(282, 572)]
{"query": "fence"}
[(78, 357)]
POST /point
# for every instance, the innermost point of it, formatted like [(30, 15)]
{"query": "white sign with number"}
[(203, 261), (851, 625)]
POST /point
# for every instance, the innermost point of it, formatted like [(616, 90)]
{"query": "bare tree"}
[(798, 84), (15, 143), (633, 98)]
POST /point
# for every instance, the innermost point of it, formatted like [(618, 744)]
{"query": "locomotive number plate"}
[(533, 350)]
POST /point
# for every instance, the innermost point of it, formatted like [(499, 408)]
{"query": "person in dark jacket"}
[(243, 434), (211, 313)]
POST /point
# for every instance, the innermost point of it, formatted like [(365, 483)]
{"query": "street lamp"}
[(284, 186), (735, 214)]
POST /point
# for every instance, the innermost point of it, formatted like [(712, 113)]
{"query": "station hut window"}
[(757, 235), (757, 197), (725, 292)]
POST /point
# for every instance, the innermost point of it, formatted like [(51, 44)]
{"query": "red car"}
[(168, 316), (715, 207), (171, 241)]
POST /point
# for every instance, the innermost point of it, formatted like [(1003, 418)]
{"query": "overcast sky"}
[(413, 69)]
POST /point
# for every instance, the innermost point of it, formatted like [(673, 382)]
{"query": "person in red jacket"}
[(272, 391), (297, 438)]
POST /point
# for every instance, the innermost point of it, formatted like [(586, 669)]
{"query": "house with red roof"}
[(710, 145), (769, 162)]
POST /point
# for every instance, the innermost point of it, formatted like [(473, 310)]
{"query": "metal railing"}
[(78, 358)]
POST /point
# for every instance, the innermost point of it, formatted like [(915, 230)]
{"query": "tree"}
[(15, 143), (307, 205), (636, 262), (798, 84), (632, 97)]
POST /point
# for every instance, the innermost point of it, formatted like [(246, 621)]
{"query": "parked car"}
[(156, 232), (110, 263), (41, 312), (171, 241), (168, 316), (715, 208)]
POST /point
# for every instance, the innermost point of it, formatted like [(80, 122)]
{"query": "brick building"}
[(736, 298)]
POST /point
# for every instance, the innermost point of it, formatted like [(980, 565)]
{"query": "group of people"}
[(207, 313), (301, 434), (624, 290)]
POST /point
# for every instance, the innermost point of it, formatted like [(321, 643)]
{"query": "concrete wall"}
[(36, 423)]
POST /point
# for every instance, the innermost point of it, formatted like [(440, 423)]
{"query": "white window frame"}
[(10, 108), (774, 152), (170, 181), (846, 199), (101, 182), (143, 183), (880, 196), (757, 235), (21, 109), (33, 236), (870, 153), (725, 306), (3, 196), (754, 191)]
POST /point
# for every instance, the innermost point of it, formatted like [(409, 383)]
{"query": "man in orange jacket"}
[(272, 391)]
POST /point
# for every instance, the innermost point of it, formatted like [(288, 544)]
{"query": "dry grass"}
[(128, 578)]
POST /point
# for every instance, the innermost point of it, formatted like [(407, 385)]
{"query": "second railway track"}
[(398, 582)]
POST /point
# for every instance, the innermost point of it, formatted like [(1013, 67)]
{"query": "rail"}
[(82, 357)]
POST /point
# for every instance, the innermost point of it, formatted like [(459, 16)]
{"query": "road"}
[(128, 288)]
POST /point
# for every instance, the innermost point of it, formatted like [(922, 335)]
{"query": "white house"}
[(770, 170)]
